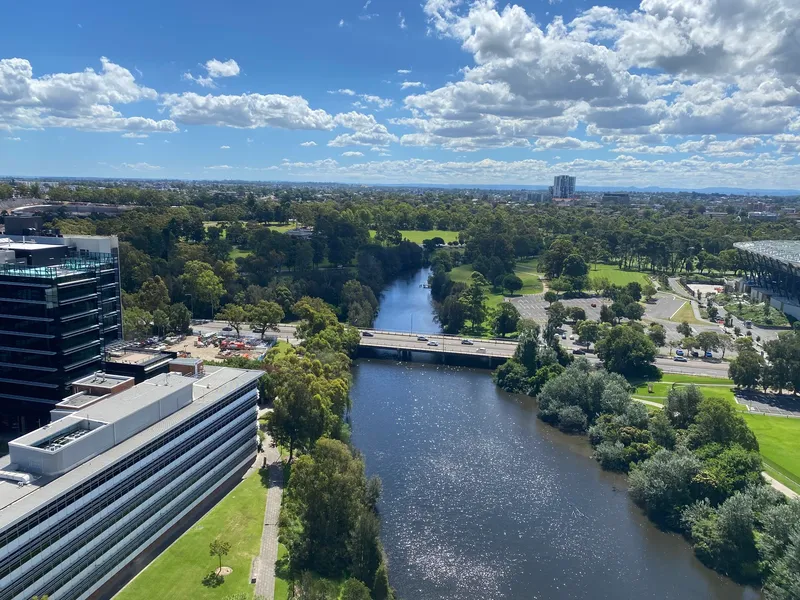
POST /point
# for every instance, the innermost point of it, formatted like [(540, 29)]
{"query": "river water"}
[(482, 501)]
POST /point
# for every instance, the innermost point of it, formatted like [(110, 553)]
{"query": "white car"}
[(482, 350), (432, 344), (422, 338)]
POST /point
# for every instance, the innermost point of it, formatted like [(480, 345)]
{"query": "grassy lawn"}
[(417, 235), (237, 253), (685, 313), (779, 440), (711, 387), (616, 275), (279, 349), (281, 584), (179, 571)]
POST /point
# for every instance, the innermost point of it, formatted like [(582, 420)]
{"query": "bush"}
[(611, 456), (572, 419)]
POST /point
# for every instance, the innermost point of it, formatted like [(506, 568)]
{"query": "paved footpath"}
[(779, 486), (265, 562)]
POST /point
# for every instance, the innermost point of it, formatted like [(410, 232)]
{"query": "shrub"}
[(572, 419)]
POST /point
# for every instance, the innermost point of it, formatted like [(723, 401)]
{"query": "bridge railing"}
[(455, 338)]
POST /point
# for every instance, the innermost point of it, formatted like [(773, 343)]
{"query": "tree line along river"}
[(481, 500)]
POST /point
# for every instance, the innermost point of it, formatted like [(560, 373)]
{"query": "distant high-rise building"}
[(564, 186), (59, 307)]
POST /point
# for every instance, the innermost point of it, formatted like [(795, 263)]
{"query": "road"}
[(284, 331), (446, 344)]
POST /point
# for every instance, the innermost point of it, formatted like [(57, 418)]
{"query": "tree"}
[(625, 349), (717, 422), (576, 313), (682, 405), (685, 329), (506, 318), (588, 332), (606, 314), (219, 548), (160, 321), (263, 316), (663, 484), (657, 334), (179, 318), (474, 300), (353, 589), (713, 313), (560, 285), (153, 295), (136, 323), (234, 315), (512, 283), (634, 311), (634, 290), (381, 589), (298, 417), (200, 280), (329, 486), (550, 296), (747, 369), (648, 290), (708, 341)]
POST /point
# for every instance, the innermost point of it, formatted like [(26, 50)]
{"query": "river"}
[(481, 500)]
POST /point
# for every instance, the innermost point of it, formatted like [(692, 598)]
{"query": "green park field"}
[(711, 387), (417, 236), (779, 440), (616, 275), (179, 571)]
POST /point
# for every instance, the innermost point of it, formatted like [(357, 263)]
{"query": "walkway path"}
[(779, 486), (265, 562)]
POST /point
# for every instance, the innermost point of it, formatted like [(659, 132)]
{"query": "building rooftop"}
[(786, 251), (116, 426)]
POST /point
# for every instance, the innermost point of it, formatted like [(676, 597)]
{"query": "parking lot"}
[(533, 307)]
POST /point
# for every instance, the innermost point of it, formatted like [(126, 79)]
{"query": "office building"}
[(564, 186), (59, 308), (88, 500)]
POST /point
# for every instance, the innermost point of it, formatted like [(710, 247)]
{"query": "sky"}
[(672, 93)]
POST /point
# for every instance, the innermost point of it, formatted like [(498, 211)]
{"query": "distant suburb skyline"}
[(669, 93)]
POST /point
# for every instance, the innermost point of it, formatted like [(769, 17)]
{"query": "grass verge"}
[(179, 571), (779, 440), (417, 236), (685, 313), (616, 275), (281, 581)]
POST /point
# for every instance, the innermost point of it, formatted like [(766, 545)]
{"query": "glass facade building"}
[(59, 307)]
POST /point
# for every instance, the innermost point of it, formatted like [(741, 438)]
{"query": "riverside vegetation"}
[(693, 467)]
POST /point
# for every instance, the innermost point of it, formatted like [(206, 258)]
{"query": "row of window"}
[(53, 562), (61, 503), (21, 555), (93, 571)]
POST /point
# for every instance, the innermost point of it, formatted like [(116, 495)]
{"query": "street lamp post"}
[(191, 301)]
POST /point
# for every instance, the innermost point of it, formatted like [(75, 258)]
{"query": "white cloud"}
[(565, 143), (249, 140), (246, 111), (308, 144), (709, 144), (352, 153), (140, 166), (82, 100), (368, 16), (224, 147), (404, 71), (217, 68), (401, 20), (411, 84), (343, 91), (134, 135), (377, 101), (214, 70), (341, 22), (14, 139), (140, 143), (219, 167), (368, 132), (366, 4)]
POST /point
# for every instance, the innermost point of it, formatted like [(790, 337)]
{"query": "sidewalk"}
[(264, 564), (779, 486)]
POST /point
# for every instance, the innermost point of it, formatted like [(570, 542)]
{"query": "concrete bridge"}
[(447, 349)]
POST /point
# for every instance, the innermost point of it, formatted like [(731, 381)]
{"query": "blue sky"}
[(666, 92)]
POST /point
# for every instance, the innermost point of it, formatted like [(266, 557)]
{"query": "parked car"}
[(563, 336), (679, 352), (367, 334), (572, 336), (579, 352), (467, 342), (695, 354), (680, 359), (433, 344), (594, 304), (422, 338), (709, 355), (227, 328)]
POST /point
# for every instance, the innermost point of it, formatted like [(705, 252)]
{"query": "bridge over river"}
[(448, 348)]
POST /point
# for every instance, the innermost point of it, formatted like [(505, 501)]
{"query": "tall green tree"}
[(625, 349), (264, 316), (235, 315), (202, 283), (506, 319)]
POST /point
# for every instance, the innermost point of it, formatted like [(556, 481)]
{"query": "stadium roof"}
[(782, 250)]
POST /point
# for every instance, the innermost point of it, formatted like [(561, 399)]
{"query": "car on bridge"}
[(422, 338), (467, 342), (433, 344), (367, 334)]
